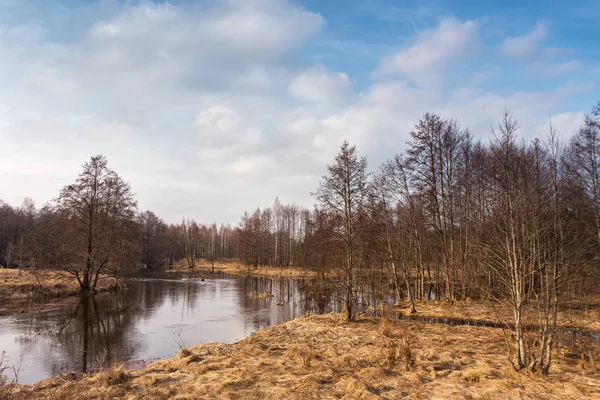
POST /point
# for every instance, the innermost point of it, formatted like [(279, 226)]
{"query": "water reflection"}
[(154, 316), (151, 319)]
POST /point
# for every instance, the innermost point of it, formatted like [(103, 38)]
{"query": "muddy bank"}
[(19, 286), (322, 357)]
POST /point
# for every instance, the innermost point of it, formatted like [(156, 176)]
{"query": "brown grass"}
[(259, 295), (42, 284), (319, 357), (585, 314), (236, 268)]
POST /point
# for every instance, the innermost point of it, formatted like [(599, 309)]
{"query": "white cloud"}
[(318, 85), (164, 92), (565, 124), (431, 51), (525, 46), (557, 68), (209, 111)]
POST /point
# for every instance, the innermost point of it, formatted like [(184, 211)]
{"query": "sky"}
[(213, 107)]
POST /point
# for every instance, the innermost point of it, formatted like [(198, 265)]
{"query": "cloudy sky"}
[(209, 108)]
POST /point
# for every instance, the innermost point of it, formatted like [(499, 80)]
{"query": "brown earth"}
[(323, 357)]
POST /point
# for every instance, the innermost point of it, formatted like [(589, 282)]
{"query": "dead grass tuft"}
[(390, 354), (348, 361), (406, 354), (384, 319), (373, 375), (304, 353), (587, 363), (114, 376), (322, 376), (352, 388), (7, 391), (473, 376), (184, 352), (397, 352)]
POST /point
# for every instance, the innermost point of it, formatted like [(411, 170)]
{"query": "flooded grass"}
[(322, 357)]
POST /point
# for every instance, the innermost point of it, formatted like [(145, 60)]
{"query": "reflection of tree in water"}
[(95, 327), (300, 296), (319, 295), (168, 287)]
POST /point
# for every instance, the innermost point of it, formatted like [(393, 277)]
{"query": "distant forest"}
[(450, 212)]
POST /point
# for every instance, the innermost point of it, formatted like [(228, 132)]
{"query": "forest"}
[(507, 219)]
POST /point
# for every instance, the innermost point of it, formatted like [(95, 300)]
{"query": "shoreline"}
[(239, 269), (321, 356), (28, 285), (488, 312)]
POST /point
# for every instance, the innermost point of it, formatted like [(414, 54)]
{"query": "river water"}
[(148, 321)]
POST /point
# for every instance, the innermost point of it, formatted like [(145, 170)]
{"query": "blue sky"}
[(210, 108)]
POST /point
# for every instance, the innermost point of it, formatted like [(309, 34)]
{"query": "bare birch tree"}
[(342, 192)]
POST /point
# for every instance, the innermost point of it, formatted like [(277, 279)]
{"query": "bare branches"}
[(342, 193)]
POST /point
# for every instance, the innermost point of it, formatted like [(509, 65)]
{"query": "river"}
[(148, 321)]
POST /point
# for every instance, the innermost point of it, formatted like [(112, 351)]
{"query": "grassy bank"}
[(583, 314), (321, 357), (235, 268), (22, 285)]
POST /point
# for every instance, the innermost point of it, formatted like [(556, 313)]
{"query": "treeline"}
[(448, 212), (150, 243), (94, 229), (442, 216)]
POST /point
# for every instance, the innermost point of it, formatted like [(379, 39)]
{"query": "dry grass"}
[(259, 295), (43, 284), (583, 314), (114, 376), (235, 268), (319, 357)]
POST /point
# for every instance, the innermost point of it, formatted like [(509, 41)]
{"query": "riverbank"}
[(582, 314), (16, 286), (322, 357), (235, 268)]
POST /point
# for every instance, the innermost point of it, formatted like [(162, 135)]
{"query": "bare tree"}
[(342, 192), (152, 239), (512, 251), (100, 209), (434, 155), (584, 163), (191, 242)]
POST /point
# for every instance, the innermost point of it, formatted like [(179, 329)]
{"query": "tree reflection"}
[(93, 329)]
